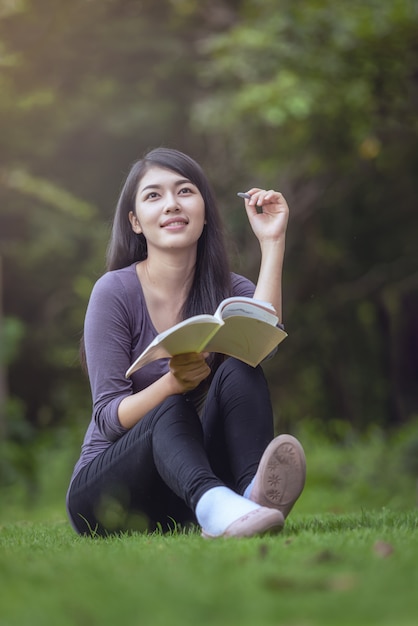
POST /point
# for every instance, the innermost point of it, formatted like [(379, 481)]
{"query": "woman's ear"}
[(136, 227)]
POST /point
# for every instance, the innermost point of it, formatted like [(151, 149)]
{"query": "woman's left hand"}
[(269, 222)]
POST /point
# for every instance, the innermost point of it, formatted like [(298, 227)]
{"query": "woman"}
[(191, 438)]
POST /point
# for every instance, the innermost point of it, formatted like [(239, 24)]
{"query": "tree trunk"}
[(3, 383)]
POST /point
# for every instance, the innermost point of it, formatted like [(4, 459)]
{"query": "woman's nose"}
[(171, 203)]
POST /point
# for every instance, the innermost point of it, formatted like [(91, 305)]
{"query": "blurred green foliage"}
[(320, 100), (314, 98)]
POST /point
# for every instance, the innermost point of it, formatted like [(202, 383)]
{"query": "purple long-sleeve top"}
[(117, 330)]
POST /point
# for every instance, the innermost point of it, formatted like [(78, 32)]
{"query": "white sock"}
[(247, 492), (219, 507)]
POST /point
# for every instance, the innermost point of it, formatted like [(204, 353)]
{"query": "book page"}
[(247, 339), (189, 336), (248, 307), (195, 319)]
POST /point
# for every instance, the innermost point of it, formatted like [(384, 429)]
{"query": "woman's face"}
[(169, 210)]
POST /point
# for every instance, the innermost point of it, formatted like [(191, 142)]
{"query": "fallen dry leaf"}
[(383, 549)]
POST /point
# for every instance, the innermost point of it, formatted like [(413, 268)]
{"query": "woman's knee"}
[(238, 371), (175, 412), (177, 406)]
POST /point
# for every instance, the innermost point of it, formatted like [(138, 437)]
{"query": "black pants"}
[(154, 475)]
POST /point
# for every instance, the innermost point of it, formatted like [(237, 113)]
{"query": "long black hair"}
[(212, 279)]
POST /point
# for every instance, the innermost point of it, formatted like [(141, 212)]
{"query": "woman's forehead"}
[(159, 176)]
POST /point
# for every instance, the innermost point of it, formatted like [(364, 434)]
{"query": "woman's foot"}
[(281, 475), (223, 513), (258, 522)]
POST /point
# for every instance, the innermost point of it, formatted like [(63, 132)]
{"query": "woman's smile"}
[(174, 223)]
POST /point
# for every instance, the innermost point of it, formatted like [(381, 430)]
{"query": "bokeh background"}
[(315, 98)]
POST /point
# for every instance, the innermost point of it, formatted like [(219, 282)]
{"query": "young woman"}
[(189, 439)]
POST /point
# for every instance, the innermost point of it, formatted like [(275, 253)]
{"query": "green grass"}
[(326, 569), (347, 557)]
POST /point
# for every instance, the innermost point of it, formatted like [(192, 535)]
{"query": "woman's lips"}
[(174, 221)]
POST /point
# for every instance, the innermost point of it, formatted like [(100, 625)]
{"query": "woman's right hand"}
[(188, 370)]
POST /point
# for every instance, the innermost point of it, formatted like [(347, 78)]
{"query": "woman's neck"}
[(166, 285), (168, 275)]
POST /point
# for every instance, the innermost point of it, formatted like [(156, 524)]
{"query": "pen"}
[(244, 195)]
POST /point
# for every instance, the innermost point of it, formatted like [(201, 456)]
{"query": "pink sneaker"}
[(256, 522), (281, 475)]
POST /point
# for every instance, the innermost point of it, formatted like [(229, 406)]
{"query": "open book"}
[(241, 327)]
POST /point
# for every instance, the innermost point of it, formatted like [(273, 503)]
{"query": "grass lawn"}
[(348, 555), (358, 569)]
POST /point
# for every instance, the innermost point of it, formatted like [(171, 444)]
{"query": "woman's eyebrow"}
[(177, 184)]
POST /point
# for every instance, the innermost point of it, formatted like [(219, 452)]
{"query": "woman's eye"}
[(151, 195), (185, 190)]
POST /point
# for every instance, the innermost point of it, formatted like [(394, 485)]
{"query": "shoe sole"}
[(281, 475)]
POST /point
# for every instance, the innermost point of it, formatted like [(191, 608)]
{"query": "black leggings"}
[(154, 475)]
